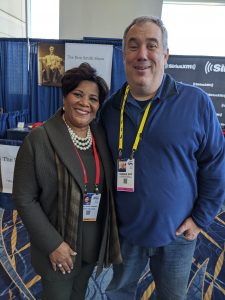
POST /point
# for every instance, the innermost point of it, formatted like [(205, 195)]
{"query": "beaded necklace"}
[(79, 142)]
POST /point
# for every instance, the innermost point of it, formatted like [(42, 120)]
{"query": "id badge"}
[(90, 206), (125, 175)]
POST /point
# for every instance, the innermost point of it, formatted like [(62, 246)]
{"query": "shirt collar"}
[(167, 88)]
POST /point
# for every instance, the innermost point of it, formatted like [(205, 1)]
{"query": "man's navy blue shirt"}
[(179, 163)]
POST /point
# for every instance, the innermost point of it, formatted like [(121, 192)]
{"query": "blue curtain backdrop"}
[(21, 98)]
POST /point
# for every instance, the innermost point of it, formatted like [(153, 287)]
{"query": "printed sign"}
[(98, 56), (7, 163), (205, 72)]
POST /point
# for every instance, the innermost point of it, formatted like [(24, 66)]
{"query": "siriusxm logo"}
[(182, 66), (209, 67)]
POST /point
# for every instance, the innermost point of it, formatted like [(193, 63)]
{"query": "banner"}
[(7, 161), (98, 56), (205, 72)]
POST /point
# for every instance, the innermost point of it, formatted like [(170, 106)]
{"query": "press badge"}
[(125, 175), (90, 206)]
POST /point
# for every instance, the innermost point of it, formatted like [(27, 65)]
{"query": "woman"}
[(59, 165)]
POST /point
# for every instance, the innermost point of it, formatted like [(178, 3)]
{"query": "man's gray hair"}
[(145, 19)]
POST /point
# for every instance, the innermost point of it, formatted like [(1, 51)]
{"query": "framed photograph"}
[(51, 64)]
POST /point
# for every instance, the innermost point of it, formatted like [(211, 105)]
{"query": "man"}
[(169, 135)]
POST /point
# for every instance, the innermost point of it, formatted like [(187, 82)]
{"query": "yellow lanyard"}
[(140, 129)]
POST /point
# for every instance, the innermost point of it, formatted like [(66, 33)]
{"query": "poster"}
[(51, 59), (98, 56)]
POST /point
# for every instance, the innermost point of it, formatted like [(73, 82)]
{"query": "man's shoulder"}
[(192, 91), (189, 88)]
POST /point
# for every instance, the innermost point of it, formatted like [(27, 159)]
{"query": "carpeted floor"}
[(18, 280)]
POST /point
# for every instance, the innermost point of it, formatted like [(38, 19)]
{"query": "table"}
[(17, 133)]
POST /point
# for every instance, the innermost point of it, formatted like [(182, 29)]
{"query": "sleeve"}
[(26, 194), (211, 172)]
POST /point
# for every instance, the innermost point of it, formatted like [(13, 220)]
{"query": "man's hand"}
[(189, 229), (62, 258)]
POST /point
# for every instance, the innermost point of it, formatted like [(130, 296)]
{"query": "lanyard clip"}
[(85, 189), (96, 189), (132, 154)]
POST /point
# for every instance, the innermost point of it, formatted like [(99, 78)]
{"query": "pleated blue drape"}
[(118, 74), (14, 74), (14, 92)]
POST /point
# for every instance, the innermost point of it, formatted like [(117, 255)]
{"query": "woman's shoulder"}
[(35, 138), (36, 132)]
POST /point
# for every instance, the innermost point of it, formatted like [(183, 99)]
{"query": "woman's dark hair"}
[(73, 77)]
